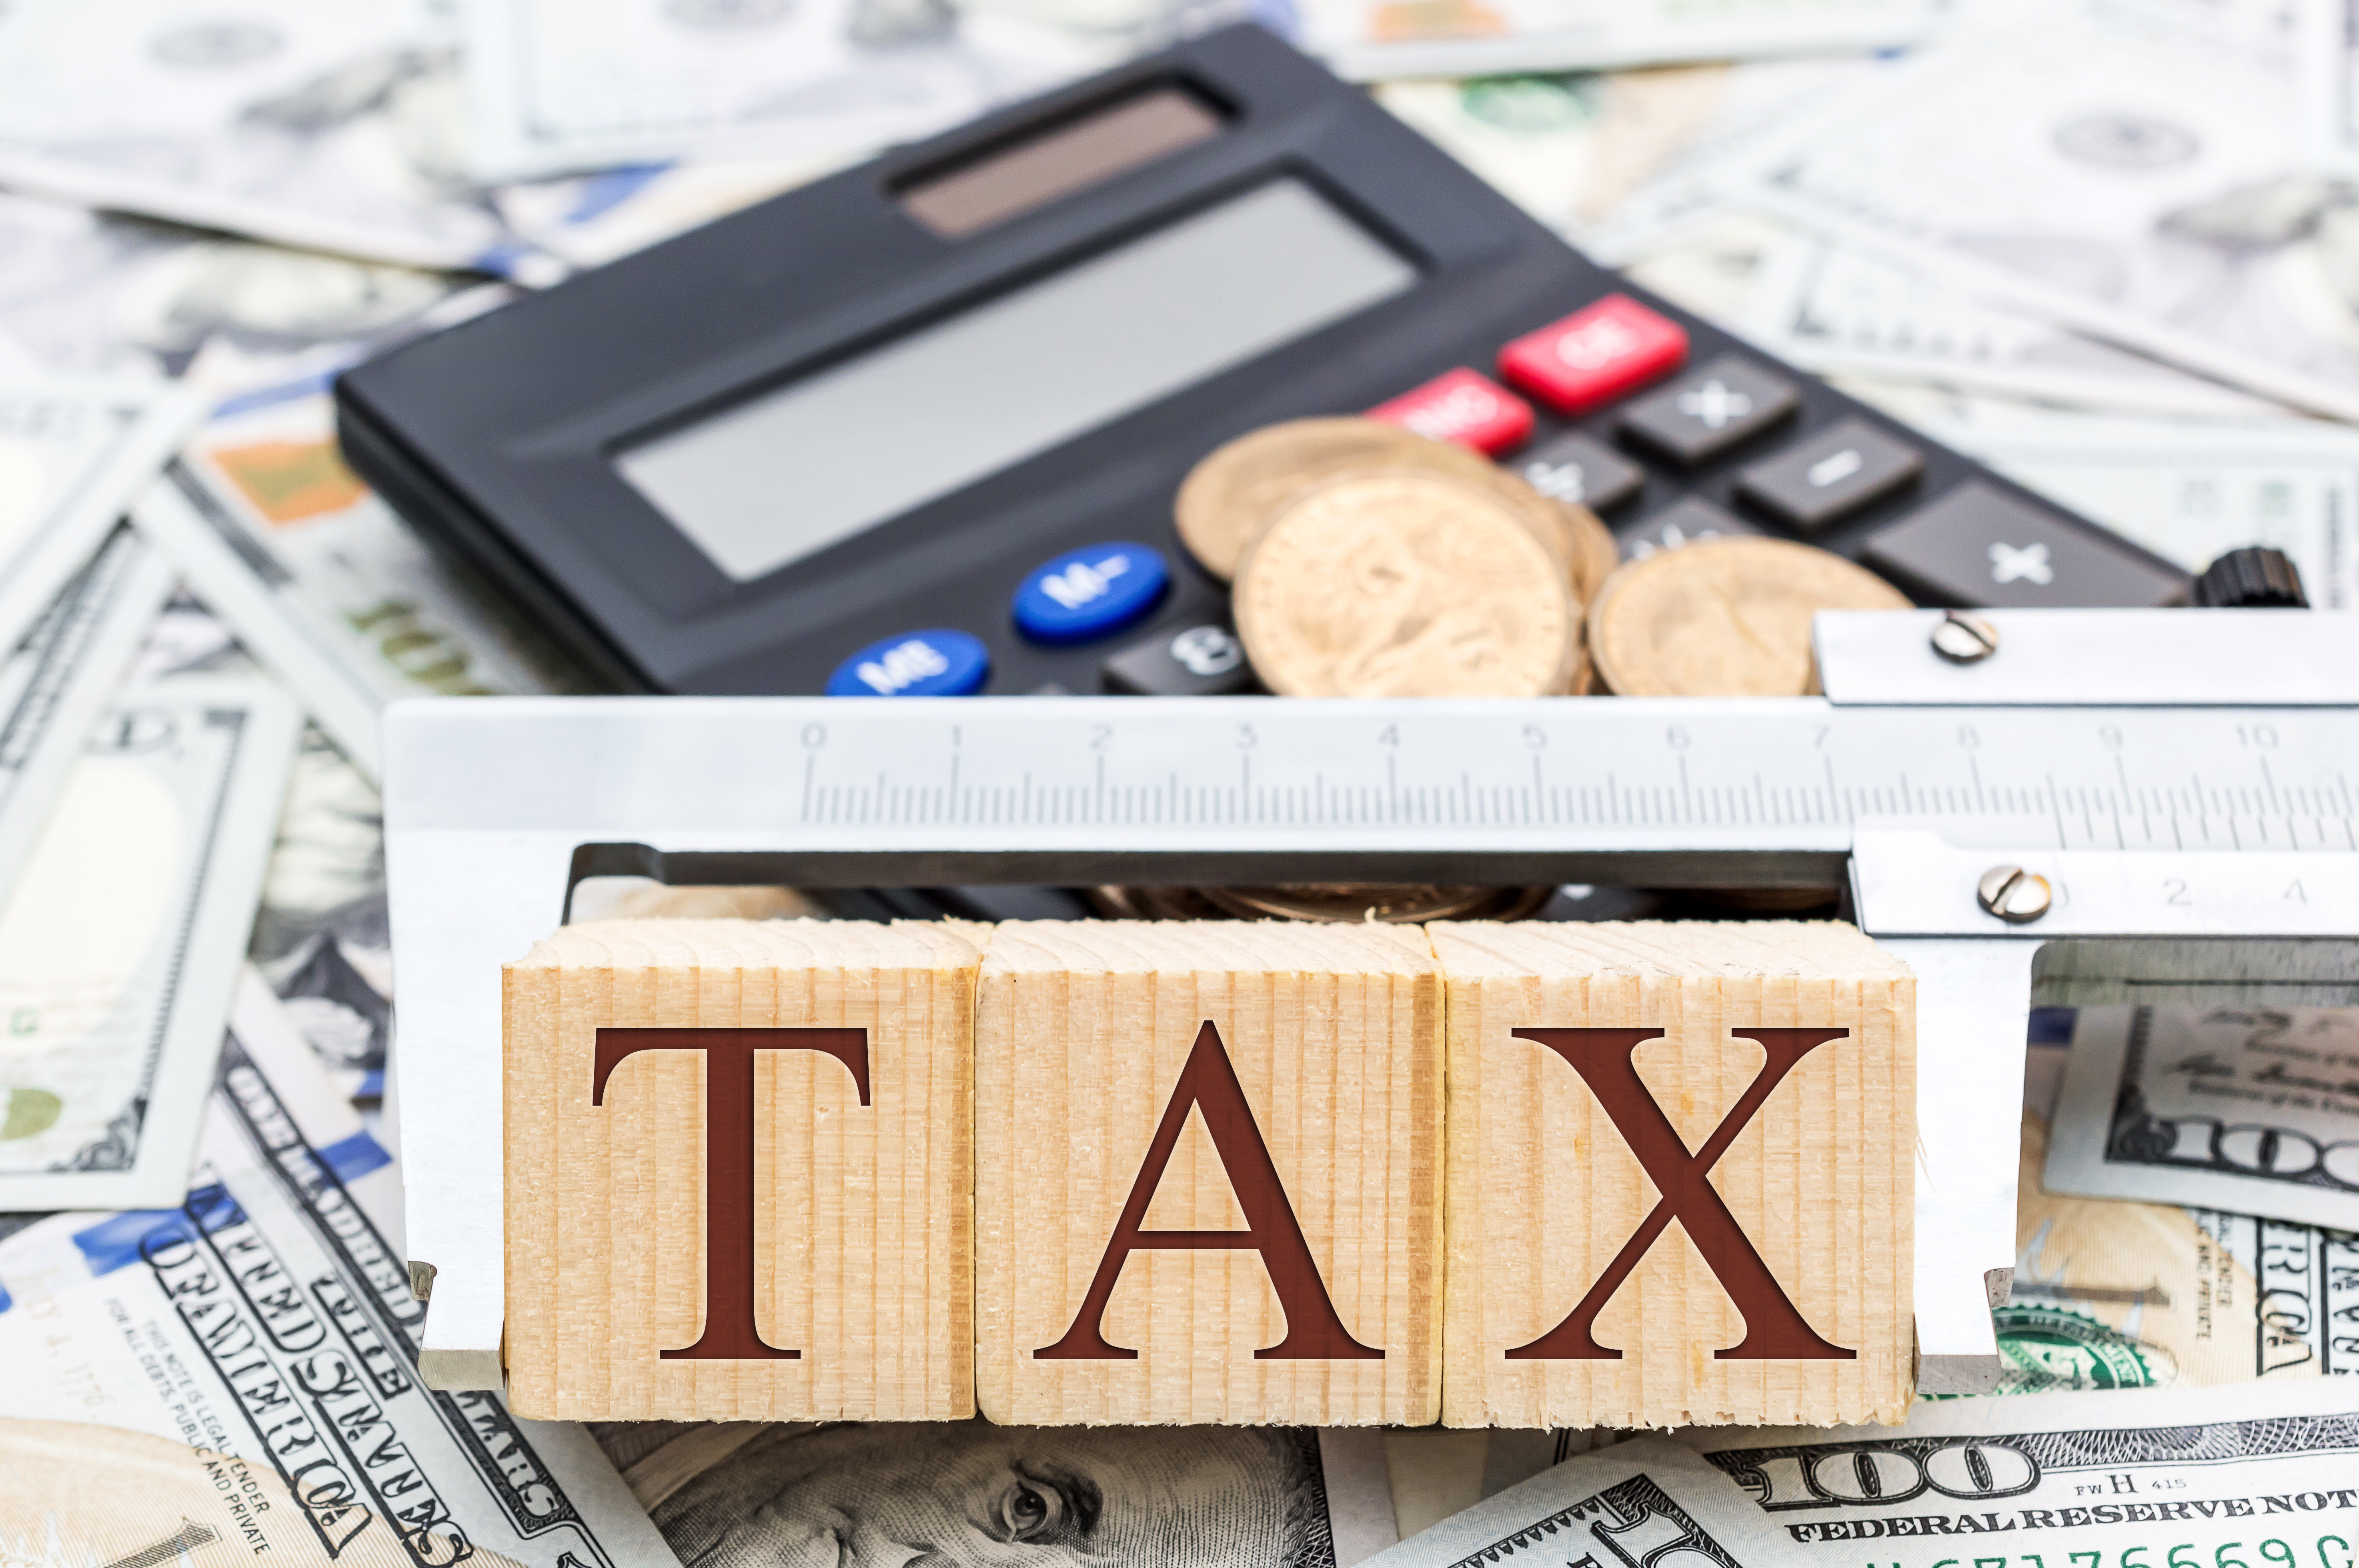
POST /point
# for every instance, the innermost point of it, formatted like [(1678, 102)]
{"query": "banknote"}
[(2260, 1474), (329, 590), (2149, 187), (1840, 311), (2330, 55), (73, 451), (2187, 491), (328, 124), (93, 294), (322, 936), (748, 1495), (1639, 1502), (121, 935), (2255, 1110), (2112, 1293), (238, 1371), (589, 219), (1626, 163), (1367, 40), (53, 687), (559, 86)]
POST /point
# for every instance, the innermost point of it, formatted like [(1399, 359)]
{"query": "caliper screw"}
[(2014, 894), (1964, 639)]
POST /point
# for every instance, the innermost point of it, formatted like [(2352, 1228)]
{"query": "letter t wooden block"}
[(1208, 1173), (1679, 1174), (737, 1171)]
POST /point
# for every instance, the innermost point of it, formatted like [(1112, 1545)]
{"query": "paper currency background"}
[(2109, 247)]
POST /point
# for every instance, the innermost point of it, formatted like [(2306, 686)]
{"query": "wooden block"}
[(1211, 1079), (1777, 1288), (738, 1195)]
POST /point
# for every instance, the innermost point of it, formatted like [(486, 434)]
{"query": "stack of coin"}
[(1370, 561), (1367, 560)]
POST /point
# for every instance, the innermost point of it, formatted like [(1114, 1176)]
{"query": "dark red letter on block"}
[(729, 1332), (1313, 1332), (1773, 1330)]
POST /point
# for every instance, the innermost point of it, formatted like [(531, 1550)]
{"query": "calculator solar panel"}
[(916, 428)]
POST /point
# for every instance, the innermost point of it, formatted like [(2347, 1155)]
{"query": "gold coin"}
[(1225, 497), (1402, 583), (1725, 617), (1594, 554)]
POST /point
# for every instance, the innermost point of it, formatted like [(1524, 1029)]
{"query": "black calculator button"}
[(1976, 545), (1707, 411), (1581, 472), (1683, 522), (1202, 661), (1834, 472)]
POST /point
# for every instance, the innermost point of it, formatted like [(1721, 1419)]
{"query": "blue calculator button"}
[(915, 664), (1083, 595)]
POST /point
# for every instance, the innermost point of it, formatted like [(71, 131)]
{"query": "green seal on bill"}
[(2052, 1347)]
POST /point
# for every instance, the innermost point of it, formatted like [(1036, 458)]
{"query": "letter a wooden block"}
[(738, 1165), (1679, 1174), (1208, 1173)]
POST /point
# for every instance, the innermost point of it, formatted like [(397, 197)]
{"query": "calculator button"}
[(1083, 595), (1202, 661), (1834, 472), (1707, 411), (1976, 545), (1682, 523), (936, 663), (1600, 353), (1461, 406), (1581, 472)]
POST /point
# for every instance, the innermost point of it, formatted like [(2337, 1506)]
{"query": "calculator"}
[(916, 428)]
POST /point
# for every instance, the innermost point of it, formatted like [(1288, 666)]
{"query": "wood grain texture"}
[(1544, 1188), (1083, 1030), (863, 1233)]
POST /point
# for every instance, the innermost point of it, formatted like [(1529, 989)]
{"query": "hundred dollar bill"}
[(86, 293), (73, 451), (1368, 40), (558, 86), (2329, 54), (2258, 1476), (1641, 1502), (327, 589), (2115, 1295), (321, 937), (1624, 164), (2255, 1110), (55, 685), (235, 1374), (747, 1494), (328, 124), (121, 937), (2149, 188), (2187, 492), (1840, 311)]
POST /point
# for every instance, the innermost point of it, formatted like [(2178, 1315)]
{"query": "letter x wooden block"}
[(1679, 1174), (1208, 1162)]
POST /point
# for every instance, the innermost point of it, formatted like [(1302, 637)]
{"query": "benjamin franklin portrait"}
[(963, 1493)]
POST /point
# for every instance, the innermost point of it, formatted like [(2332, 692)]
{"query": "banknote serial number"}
[(2323, 1552)]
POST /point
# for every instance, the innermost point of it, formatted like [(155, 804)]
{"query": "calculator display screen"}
[(819, 459)]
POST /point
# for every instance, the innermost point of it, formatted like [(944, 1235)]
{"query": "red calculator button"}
[(1596, 354), (1461, 406)]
